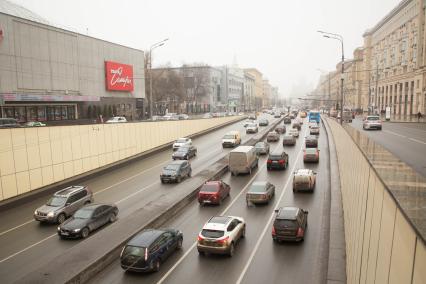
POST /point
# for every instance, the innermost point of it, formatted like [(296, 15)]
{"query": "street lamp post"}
[(339, 38), (154, 46)]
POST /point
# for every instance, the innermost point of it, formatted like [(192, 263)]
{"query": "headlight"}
[(50, 214), (59, 228), (35, 212), (76, 230)]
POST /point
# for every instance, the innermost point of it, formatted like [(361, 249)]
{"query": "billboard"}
[(118, 76)]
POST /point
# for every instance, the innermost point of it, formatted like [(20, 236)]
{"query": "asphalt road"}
[(407, 141), (257, 258), (26, 244)]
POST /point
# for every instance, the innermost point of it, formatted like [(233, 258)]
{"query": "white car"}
[(220, 235), (294, 132), (372, 122), (304, 179), (252, 128), (117, 119), (182, 142), (312, 123), (207, 115)]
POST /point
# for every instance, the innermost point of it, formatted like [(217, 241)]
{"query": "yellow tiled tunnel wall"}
[(31, 158), (381, 246)]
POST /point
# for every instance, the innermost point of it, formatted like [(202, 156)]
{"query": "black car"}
[(290, 224), (277, 160), (287, 120), (176, 171), (263, 122), (185, 153), (297, 125), (88, 219), (311, 141), (148, 249)]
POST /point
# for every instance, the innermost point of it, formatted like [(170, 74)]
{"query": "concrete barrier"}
[(34, 158), (384, 212)]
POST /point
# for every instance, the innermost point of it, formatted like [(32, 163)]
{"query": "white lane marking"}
[(14, 228), (27, 248), (393, 133), (222, 213), (418, 141)]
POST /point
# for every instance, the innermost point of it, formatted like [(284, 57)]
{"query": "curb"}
[(81, 178), (336, 269)]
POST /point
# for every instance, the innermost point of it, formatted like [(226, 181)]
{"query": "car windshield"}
[(83, 214), (257, 188), (373, 118), (56, 201), (134, 251), (209, 188), (183, 149), (311, 151), (260, 145), (181, 141), (288, 137), (212, 233), (172, 167), (271, 134), (229, 136), (275, 157), (285, 223)]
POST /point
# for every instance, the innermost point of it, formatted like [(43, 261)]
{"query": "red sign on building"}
[(119, 77)]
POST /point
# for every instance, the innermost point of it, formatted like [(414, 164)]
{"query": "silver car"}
[(63, 204), (372, 122), (262, 148), (260, 192)]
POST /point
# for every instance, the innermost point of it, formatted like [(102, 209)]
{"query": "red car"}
[(213, 192)]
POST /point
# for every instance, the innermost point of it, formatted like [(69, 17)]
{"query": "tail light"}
[(281, 161), (299, 232), (316, 154), (146, 254), (273, 231), (200, 238), (223, 241), (269, 161), (304, 155)]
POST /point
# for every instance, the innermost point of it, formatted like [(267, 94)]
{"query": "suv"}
[(176, 171), (9, 123), (220, 235), (290, 224), (213, 192), (63, 204), (148, 249)]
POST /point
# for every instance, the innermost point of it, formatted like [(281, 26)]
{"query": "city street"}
[(407, 141), (26, 244), (257, 258)]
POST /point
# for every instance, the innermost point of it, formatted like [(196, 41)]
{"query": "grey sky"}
[(277, 37)]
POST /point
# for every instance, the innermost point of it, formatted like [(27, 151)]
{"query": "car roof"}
[(93, 206), (69, 190), (145, 238), (288, 213), (177, 162), (276, 153), (311, 137), (214, 182), (262, 183), (303, 172), (242, 149), (217, 222)]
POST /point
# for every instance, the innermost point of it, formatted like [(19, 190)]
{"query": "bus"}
[(314, 116)]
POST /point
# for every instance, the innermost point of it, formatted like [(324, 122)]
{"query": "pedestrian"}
[(419, 115)]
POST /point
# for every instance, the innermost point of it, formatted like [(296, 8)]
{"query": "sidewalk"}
[(403, 118)]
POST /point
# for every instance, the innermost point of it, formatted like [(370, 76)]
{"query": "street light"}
[(154, 46), (339, 38)]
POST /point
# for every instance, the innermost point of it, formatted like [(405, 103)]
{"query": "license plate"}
[(274, 162), (207, 201), (64, 233)]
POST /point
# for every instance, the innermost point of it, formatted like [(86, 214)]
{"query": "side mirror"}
[(306, 212), (276, 210), (67, 203)]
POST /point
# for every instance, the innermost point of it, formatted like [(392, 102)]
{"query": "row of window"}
[(40, 113)]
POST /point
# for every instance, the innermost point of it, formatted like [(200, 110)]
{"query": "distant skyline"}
[(277, 37)]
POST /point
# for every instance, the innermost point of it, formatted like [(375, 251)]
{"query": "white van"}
[(231, 139), (242, 160)]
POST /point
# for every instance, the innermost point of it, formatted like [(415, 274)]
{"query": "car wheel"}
[(179, 179), (85, 232), (201, 252), (190, 173), (243, 233), (179, 244), (294, 190), (61, 218), (87, 202), (157, 265), (162, 181), (112, 218), (231, 250), (250, 171)]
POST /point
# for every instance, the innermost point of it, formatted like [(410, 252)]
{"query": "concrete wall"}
[(381, 246), (31, 158)]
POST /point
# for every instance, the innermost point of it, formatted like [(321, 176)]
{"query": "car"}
[(372, 122), (314, 130), (272, 137), (290, 224), (149, 248), (117, 119), (213, 192), (277, 115), (263, 122), (260, 192), (231, 139), (9, 123), (183, 116), (182, 142), (176, 171), (207, 115), (304, 179), (294, 132), (277, 160), (220, 235), (185, 153), (287, 120), (311, 141), (247, 122), (63, 204), (252, 128), (296, 125), (262, 148), (242, 159), (87, 219), (311, 155), (280, 129), (289, 139), (252, 117), (35, 124)]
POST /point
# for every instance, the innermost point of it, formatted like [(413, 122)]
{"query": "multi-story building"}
[(274, 96), (266, 93), (249, 91), (234, 84), (258, 86), (48, 73)]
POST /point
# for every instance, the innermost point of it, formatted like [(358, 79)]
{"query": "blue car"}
[(148, 249)]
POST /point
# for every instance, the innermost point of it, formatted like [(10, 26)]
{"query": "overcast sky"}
[(277, 37)]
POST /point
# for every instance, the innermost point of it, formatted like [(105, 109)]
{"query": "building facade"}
[(266, 93), (48, 73), (249, 91), (258, 86)]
